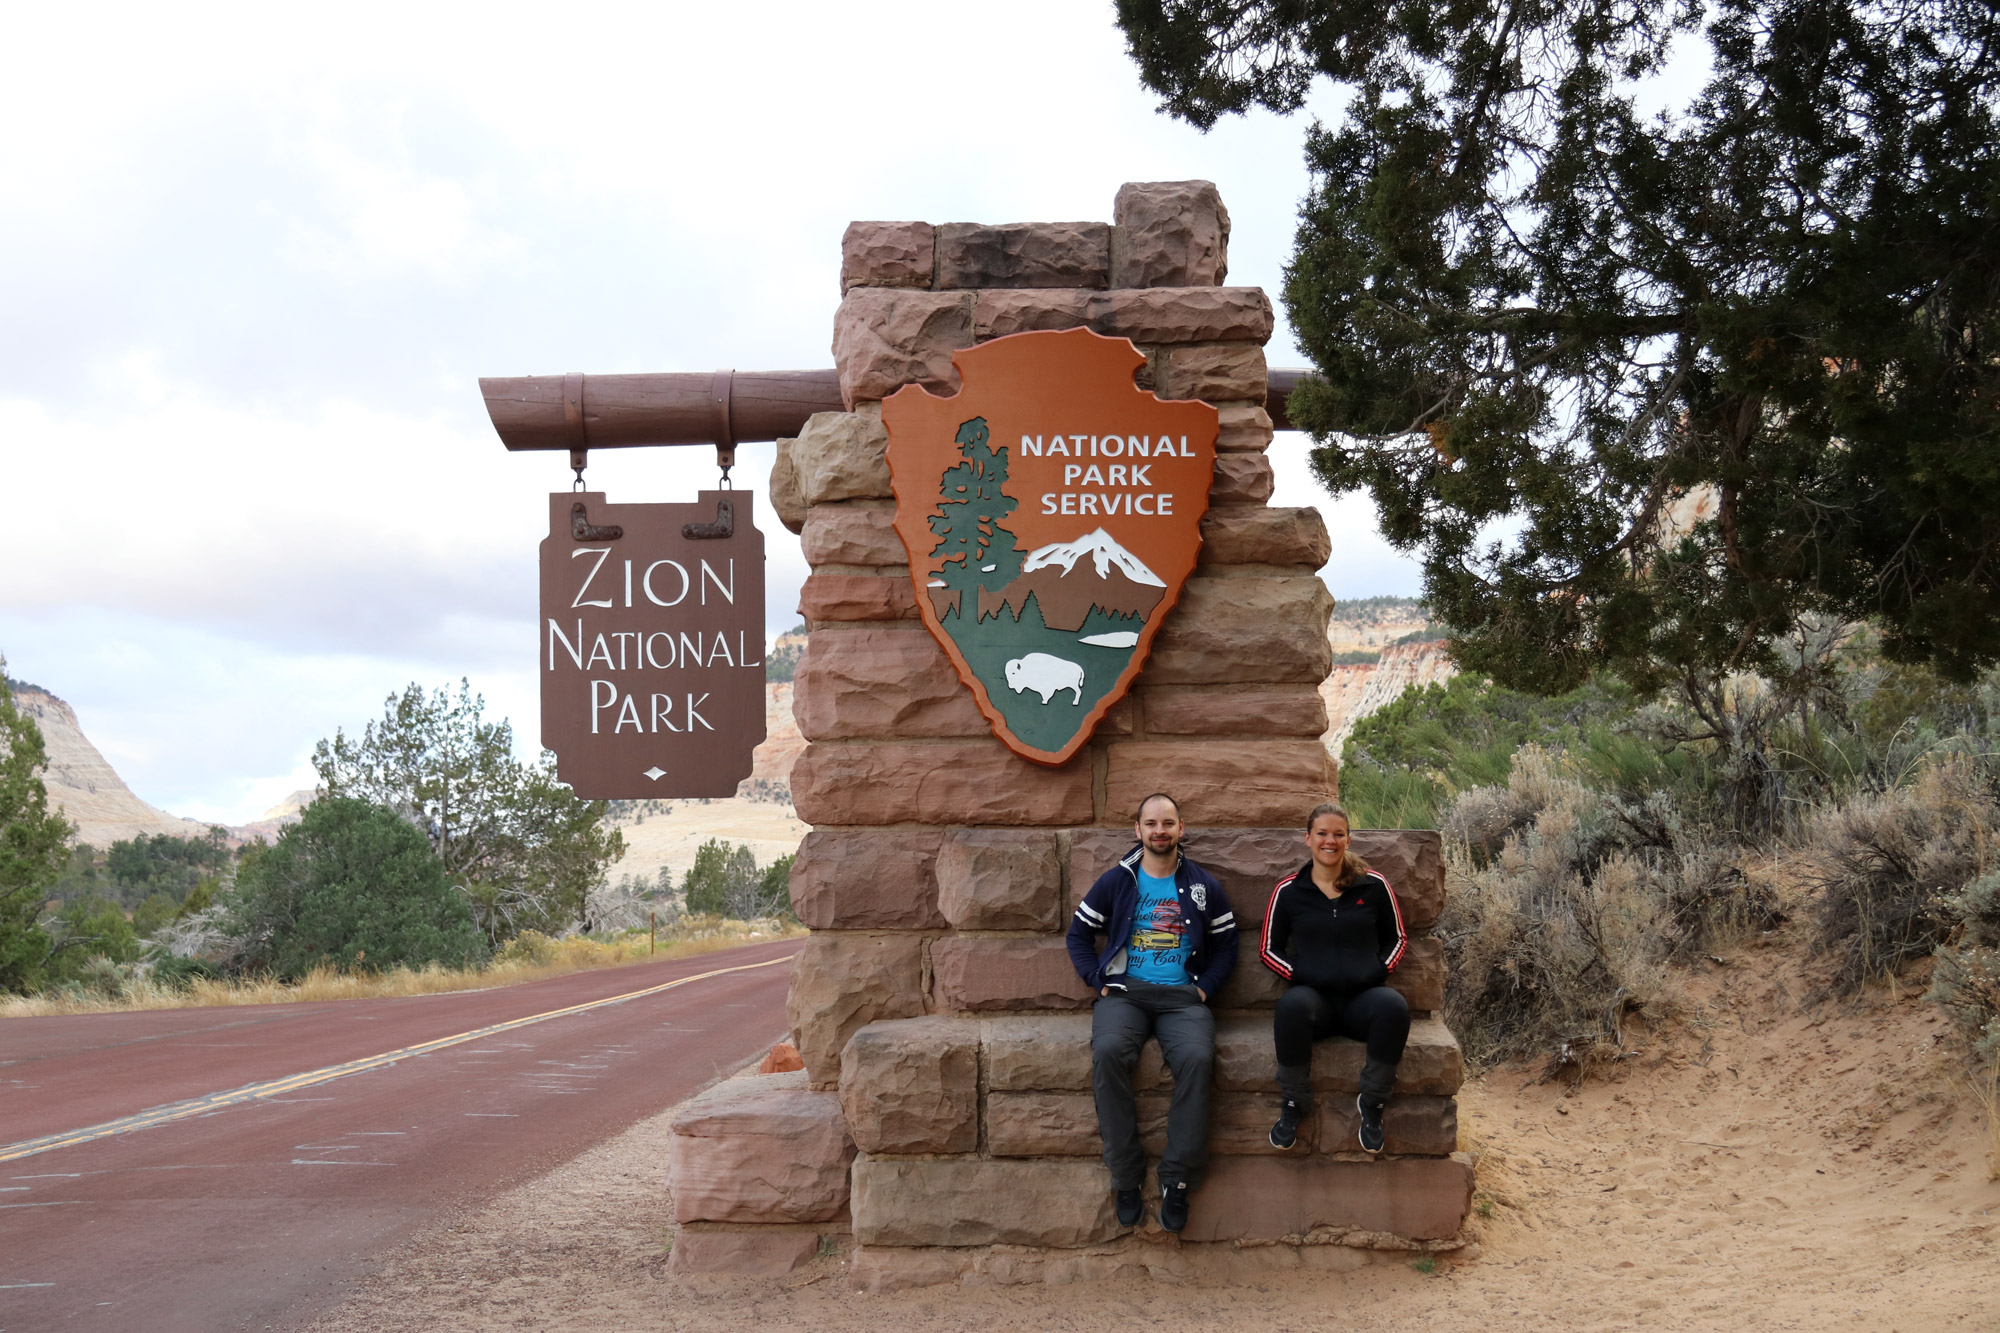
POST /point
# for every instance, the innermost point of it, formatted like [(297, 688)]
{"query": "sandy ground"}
[(1767, 1165), (670, 841)]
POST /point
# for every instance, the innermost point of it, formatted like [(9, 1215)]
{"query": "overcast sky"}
[(257, 256)]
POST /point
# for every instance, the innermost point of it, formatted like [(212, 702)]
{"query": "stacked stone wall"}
[(934, 1004)]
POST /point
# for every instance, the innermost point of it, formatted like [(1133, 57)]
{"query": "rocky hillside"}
[(1380, 648), (89, 791)]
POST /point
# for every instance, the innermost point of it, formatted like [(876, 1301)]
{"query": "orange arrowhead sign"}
[(1052, 512)]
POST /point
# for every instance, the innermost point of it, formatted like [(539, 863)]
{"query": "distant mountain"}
[(1066, 587), (80, 781)]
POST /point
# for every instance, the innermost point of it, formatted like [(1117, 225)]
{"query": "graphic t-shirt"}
[(1159, 949)]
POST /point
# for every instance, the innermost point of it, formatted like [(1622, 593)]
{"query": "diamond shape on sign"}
[(655, 773)]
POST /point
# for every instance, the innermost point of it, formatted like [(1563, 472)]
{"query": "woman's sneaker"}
[(1286, 1132), (1371, 1125)]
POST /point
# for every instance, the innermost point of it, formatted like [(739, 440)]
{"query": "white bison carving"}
[(1047, 675)]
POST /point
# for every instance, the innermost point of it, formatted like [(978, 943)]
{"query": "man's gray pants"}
[(1119, 1025)]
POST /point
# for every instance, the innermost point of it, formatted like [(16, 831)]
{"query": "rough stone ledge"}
[(747, 1251), (879, 1268)]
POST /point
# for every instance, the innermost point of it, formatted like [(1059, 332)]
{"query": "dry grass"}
[(527, 958)]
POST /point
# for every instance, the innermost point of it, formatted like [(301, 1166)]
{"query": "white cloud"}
[(263, 254)]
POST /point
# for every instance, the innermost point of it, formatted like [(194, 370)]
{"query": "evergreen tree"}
[(34, 845), (523, 847), (354, 885), (1533, 310), (971, 508)]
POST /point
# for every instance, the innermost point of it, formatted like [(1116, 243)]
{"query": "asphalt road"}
[(263, 1182)]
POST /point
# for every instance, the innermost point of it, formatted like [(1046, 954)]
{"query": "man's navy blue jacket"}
[(1113, 901)]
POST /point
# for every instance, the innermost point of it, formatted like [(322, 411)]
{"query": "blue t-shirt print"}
[(1159, 950)]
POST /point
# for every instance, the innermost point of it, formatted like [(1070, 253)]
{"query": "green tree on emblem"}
[(973, 550)]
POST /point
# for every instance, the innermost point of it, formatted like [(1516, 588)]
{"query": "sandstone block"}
[(1216, 372), (762, 1149), (1246, 535), (1412, 860), (999, 313), (912, 1086), (1420, 977), (1248, 861), (839, 456), (1264, 1198), (1222, 782), (976, 972), (857, 534), (747, 1252), (1245, 631), (886, 254), (884, 1268), (877, 681), (787, 500), (867, 879), (1039, 1052), (1299, 711), (857, 597), (783, 1058), (1411, 1126), (884, 338), (1245, 427), (1024, 254), (969, 1201), (1169, 234), (1251, 985), (1181, 314), (1242, 479), (1064, 1124), (1051, 1053), (1000, 879), (962, 782), (841, 982), (1244, 1060)]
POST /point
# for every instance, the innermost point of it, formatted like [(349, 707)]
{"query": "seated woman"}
[(1334, 930)]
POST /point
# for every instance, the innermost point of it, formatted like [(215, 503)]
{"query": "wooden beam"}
[(744, 407)]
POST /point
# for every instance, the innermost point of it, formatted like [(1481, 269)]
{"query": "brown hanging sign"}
[(652, 652), (1052, 511)]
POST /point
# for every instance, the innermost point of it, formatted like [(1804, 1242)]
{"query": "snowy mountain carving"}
[(1066, 586)]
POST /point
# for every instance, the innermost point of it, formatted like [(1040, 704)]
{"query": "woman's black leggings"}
[(1378, 1016)]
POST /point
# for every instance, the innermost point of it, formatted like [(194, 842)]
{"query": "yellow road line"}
[(215, 1101)]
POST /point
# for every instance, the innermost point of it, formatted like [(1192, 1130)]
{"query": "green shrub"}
[(352, 885), (1966, 982), (1890, 863)]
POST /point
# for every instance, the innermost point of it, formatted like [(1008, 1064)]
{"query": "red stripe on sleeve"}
[(1271, 960)]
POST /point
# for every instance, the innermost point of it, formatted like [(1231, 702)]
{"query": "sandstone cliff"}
[(89, 791), (1353, 690)]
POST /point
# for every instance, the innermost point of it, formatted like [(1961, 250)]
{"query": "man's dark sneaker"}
[(1286, 1132), (1130, 1208), (1173, 1206), (1371, 1124)]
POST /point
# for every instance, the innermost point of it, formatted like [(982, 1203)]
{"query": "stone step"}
[(1068, 1203), (764, 1148), (1064, 1124), (1051, 1053)]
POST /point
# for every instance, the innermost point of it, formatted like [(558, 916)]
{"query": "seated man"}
[(1169, 944)]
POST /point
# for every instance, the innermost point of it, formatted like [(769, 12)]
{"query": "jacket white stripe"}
[(1271, 960), (1402, 935)]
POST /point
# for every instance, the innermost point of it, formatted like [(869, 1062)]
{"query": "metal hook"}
[(578, 459)]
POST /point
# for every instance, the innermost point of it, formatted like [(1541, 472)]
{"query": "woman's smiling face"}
[(1328, 838)]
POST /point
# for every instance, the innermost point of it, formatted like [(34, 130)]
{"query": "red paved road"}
[(263, 1214)]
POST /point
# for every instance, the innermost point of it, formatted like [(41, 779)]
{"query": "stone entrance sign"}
[(1052, 513), (652, 652)]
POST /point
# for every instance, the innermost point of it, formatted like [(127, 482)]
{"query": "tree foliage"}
[(1708, 373), (727, 881), (354, 885), (34, 845), (523, 847)]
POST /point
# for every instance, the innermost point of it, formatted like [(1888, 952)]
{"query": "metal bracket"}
[(721, 392), (724, 525), (583, 530)]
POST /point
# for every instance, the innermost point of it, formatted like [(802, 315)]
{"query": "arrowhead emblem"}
[(1052, 512), (655, 773)]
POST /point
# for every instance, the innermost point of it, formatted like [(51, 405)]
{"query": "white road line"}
[(260, 1092)]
